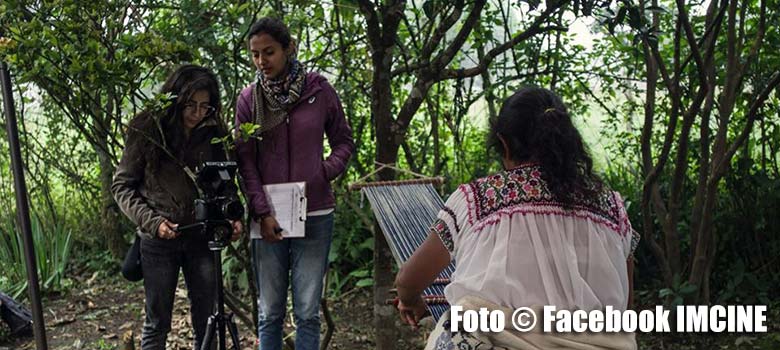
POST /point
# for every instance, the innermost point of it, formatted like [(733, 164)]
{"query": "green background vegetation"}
[(681, 113)]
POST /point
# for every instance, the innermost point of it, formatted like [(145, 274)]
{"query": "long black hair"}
[(180, 85), (537, 127), (273, 27)]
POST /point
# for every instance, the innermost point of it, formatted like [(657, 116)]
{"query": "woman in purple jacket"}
[(294, 109)]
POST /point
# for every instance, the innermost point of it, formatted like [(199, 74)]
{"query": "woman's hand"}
[(412, 313), (270, 229), (166, 230), (237, 229)]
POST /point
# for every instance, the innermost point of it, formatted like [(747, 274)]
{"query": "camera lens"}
[(232, 210)]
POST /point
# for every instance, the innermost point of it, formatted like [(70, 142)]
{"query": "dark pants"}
[(161, 261)]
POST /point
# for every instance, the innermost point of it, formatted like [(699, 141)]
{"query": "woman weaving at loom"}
[(545, 231)]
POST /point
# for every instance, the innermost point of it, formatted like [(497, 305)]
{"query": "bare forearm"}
[(409, 290), (421, 269)]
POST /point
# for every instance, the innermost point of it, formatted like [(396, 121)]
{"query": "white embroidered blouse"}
[(515, 246)]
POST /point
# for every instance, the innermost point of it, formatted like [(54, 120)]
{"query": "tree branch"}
[(691, 37), (444, 57), (752, 114), (490, 55), (446, 24), (372, 23)]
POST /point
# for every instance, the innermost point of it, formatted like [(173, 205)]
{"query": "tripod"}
[(219, 320)]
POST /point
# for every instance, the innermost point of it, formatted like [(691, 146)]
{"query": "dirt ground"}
[(102, 315), (105, 315)]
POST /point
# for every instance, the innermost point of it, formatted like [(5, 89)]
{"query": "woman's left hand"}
[(237, 229), (412, 313)]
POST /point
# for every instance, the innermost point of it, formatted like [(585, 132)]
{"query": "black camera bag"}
[(18, 318), (131, 267)]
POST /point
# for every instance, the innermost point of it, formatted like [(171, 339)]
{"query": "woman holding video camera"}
[(152, 187), (295, 109)]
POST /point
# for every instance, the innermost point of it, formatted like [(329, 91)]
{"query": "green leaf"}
[(677, 301), (247, 130), (534, 3), (359, 273), (688, 289), (621, 15), (634, 17), (428, 8), (366, 282), (657, 9), (367, 244)]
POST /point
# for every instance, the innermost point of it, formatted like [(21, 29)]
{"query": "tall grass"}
[(53, 244)]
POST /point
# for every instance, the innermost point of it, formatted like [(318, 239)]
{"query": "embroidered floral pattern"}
[(461, 340), (444, 341), (524, 185), (453, 217), (444, 233)]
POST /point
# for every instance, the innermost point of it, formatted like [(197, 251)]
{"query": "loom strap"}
[(441, 280), (428, 299)]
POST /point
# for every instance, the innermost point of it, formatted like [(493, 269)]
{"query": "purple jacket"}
[(293, 150)]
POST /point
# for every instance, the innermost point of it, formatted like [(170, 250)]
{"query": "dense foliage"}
[(681, 112)]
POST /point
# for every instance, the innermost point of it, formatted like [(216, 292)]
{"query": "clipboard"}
[(288, 206)]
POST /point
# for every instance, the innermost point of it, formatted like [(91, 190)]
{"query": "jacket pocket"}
[(324, 172)]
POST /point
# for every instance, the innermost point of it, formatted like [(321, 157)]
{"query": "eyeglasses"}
[(194, 107)]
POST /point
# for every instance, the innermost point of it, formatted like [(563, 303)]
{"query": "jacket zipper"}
[(289, 153)]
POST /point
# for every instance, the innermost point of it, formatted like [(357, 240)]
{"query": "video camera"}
[(219, 204), (217, 207)]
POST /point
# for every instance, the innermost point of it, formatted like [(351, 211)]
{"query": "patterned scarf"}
[(273, 98)]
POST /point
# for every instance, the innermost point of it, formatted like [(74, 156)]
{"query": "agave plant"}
[(53, 244)]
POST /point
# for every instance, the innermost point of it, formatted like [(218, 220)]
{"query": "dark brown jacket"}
[(147, 195)]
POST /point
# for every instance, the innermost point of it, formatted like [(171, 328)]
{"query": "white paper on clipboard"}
[(288, 206)]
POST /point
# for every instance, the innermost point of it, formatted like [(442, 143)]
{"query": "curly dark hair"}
[(537, 127), (182, 84), (273, 27)]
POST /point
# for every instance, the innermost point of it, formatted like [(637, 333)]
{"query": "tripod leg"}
[(233, 329), (208, 337)]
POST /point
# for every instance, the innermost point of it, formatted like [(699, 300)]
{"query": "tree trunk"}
[(437, 164), (386, 152), (382, 39), (487, 85), (109, 212)]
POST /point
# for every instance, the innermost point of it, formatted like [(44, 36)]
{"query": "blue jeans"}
[(161, 261), (307, 259)]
